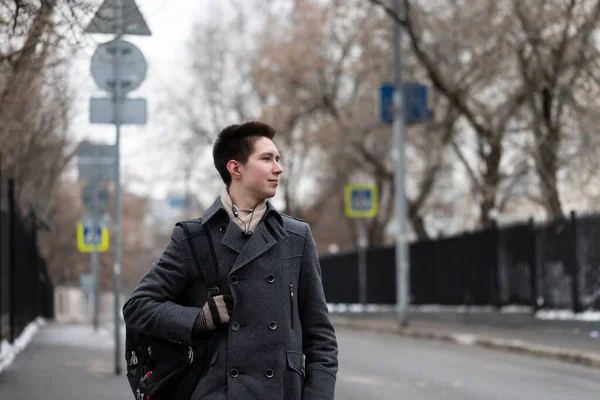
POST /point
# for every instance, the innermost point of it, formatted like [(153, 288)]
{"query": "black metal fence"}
[(552, 265), (26, 290)]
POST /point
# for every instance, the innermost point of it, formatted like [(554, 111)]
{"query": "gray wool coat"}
[(280, 343)]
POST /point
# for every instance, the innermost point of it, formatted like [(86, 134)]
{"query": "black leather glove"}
[(215, 312)]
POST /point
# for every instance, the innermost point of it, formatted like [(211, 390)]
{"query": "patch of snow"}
[(430, 308), (465, 339), (436, 308), (360, 308), (514, 309), (356, 308), (568, 315), (8, 352)]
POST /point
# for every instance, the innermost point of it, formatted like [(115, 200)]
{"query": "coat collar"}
[(217, 207), (269, 232)]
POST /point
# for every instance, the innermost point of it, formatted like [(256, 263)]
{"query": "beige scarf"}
[(247, 220)]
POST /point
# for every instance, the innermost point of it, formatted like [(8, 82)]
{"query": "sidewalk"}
[(559, 342), (66, 362)]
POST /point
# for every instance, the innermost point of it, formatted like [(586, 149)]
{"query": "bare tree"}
[(558, 60), (322, 83), (37, 39), (286, 78), (469, 64), (217, 93)]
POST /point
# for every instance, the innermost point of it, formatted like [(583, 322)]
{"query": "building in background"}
[(163, 214)]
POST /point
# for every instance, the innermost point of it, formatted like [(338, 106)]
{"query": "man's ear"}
[(234, 168)]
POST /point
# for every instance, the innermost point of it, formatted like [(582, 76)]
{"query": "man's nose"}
[(277, 169)]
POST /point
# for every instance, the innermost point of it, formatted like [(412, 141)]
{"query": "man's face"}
[(260, 175)]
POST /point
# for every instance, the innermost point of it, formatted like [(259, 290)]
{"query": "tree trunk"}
[(416, 221), (547, 140), (491, 181)]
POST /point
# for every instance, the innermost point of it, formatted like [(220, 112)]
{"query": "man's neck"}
[(241, 199)]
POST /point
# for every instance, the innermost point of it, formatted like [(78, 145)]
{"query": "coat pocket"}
[(294, 377), (295, 362)]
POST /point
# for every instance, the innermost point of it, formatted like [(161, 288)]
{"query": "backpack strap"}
[(203, 252)]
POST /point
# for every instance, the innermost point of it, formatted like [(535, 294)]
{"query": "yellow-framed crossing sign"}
[(361, 200), (89, 240)]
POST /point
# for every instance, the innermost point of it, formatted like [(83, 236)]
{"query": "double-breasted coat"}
[(280, 343)]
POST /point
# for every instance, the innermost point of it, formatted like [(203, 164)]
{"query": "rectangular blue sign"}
[(416, 104)]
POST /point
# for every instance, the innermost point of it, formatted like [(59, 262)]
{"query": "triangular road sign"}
[(105, 20)]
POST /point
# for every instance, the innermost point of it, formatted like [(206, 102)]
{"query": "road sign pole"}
[(362, 264), (402, 261), (117, 263), (111, 19), (95, 224)]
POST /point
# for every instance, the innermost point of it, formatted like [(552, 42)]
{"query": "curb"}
[(465, 339)]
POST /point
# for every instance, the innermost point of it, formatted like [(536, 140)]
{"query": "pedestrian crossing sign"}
[(361, 200), (89, 239)]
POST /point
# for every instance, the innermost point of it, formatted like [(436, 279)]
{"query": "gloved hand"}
[(215, 312)]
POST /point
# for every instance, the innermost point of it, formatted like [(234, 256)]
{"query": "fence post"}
[(574, 264), (2, 233), (533, 266), (12, 310), (495, 269), (35, 275)]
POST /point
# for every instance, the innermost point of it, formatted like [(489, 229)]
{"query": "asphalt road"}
[(72, 363), (381, 366)]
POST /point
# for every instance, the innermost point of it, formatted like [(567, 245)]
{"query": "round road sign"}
[(133, 66)]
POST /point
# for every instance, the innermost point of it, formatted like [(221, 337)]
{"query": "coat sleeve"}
[(151, 308), (318, 335)]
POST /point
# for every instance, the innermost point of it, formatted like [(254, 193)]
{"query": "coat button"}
[(234, 373), (270, 373), (223, 228), (270, 278), (234, 279), (272, 325), (235, 327)]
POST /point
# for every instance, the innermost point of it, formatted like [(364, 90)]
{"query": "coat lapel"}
[(261, 240), (233, 238)]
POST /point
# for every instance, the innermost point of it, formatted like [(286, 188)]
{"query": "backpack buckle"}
[(212, 292)]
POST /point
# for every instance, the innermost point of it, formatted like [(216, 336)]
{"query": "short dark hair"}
[(236, 142)]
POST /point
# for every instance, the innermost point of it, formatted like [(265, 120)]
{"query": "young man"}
[(271, 336)]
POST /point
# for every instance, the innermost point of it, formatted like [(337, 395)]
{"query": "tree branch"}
[(466, 164), (389, 11)]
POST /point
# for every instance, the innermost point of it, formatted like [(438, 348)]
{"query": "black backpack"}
[(158, 369)]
